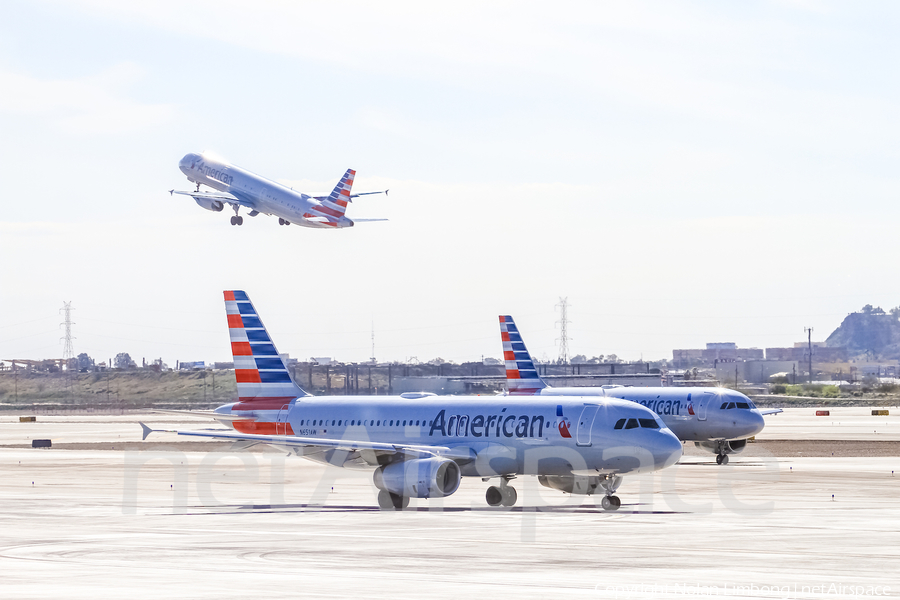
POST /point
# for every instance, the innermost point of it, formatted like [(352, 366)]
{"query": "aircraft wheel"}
[(233, 221), (509, 496), (719, 459), (280, 221), (399, 502), (287, 222), (610, 503), (724, 459), (494, 496), (240, 220), (384, 500)]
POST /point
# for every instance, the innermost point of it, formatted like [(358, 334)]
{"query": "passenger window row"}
[(634, 423), (354, 422), (727, 405)]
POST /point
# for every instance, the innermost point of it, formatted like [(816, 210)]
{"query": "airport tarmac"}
[(178, 522)]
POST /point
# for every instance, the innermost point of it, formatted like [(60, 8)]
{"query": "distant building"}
[(715, 352), (800, 352)]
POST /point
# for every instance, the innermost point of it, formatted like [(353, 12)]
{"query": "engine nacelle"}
[(570, 484), (213, 205), (732, 447), (420, 478)]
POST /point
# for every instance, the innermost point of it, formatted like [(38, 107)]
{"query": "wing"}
[(367, 220), (312, 445), (770, 411), (220, 196)]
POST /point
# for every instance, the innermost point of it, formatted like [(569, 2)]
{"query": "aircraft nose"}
[(755, 422), (668, 449)]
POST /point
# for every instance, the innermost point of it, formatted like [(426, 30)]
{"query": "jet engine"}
[(419, 478), (214, 205), (570, 484), (723, 447)]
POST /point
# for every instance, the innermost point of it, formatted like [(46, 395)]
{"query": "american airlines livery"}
[(238, 188), (421, 445), (716, 419)]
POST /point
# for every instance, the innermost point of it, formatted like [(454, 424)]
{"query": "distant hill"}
[(870, 332)]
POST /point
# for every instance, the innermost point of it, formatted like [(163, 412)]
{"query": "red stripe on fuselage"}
[(263, 428)]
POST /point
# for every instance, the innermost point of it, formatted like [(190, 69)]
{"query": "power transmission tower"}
[(68, 351), (563, 339), (372, 358), (808, 331)]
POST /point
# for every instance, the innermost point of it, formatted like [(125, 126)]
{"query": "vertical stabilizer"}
[(334, 205), (260, 372), (521, 376)]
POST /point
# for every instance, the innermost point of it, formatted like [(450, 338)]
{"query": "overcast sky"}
[(684, 173)]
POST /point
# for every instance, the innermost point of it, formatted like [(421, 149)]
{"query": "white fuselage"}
[(255, 192), (503, 435), (692, 413)]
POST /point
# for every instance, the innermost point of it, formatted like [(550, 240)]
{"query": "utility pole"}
[(809, 331), (563, 330)]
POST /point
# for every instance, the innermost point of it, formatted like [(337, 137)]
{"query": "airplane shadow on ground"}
[(302, 508)]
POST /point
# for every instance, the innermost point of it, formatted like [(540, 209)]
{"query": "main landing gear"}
[(237, 219), (610, 503), (283, 222), (722, 459), (387, 501), (502, 495)]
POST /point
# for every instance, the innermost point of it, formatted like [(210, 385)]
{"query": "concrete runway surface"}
[(175, 521)]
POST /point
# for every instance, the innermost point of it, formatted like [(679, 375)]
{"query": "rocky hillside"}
[(870, 333)]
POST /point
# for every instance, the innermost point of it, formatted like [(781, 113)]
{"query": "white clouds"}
[(92, 105)]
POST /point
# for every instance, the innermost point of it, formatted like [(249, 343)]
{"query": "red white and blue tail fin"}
[(521, 376), (260, 372), (334, 205)]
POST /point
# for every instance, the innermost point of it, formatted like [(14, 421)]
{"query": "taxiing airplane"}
[(238, 188), (716, 419), (421, 445)]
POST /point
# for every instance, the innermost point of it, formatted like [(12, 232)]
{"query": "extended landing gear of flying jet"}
[(502, 495), (387, 501), (237, 220), (283, 222), (722, 459)]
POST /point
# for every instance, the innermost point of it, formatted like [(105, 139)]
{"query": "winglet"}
[(147, 431), (171, 192)]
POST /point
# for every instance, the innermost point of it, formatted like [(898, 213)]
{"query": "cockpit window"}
[(743, 405), (731, 405), (631, 424), (649, 423), (724, 406), (620, 424)]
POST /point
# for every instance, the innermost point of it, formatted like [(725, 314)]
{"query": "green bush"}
[(831, 391)]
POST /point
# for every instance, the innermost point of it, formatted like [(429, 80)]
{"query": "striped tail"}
[(260, 372), (521, 376), (335, 204)]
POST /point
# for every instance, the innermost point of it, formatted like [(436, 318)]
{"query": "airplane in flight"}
[(237, 187), (421, 445), (716, 419)]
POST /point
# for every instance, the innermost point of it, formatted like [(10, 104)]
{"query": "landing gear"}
[(610, 503), (283, 221), (502, 495), (722, 459), (237, 220), (387, 501)]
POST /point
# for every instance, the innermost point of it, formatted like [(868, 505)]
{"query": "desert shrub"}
[(830, 391)]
